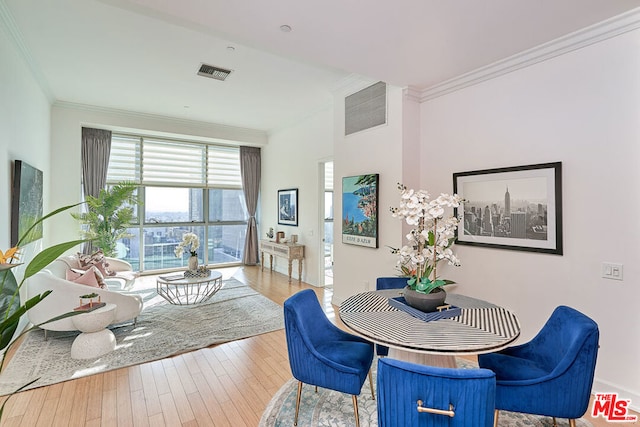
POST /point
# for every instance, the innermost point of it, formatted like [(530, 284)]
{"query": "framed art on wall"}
[(288, 207), (518, 208), (360, 210), (26, 202)]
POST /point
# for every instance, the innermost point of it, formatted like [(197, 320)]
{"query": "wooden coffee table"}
[(178, 290)]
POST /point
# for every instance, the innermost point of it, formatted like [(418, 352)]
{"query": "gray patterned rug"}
[(163, 330), (328, 408)]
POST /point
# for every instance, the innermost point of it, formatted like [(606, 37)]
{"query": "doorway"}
[(326, 202)]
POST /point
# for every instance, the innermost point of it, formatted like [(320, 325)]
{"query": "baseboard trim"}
[(600, 386)]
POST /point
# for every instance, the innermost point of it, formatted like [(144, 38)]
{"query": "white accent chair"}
[(65, 297)]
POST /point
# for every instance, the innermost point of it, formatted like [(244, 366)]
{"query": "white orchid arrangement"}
[(430, 241), (191, 242)]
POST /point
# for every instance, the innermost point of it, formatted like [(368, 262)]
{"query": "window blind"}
[(173, 163), (158, 162), (328, 176), (124, 160), (223, 167)]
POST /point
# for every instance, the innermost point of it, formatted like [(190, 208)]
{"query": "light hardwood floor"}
[(225, 385)]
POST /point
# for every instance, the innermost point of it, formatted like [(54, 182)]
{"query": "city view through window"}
[(217, 216)]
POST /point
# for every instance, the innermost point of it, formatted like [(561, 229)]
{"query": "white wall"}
[(291, 160), (24, 135), (583, 109), (67, 121), (377, 150), (24, 127)]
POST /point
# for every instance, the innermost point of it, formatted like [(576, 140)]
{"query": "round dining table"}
[(476, 327)]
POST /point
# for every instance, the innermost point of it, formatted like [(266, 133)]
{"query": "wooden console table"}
[(290, 251)]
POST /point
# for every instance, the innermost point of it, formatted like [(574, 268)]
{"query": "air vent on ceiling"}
[(365, 109), (213, 72)]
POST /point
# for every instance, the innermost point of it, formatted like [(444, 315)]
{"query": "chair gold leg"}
[(355, 409), (555, 423), (495, 417), (373, 392), (572, 423), (295, 420)]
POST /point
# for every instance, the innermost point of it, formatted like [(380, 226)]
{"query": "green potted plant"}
[(428, 243), (10, 305), (107, 216)]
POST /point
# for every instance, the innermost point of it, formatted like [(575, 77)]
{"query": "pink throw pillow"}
[(95, 259), (89, 277)]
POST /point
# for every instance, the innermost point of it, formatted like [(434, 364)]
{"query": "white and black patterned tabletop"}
[(482, 327)]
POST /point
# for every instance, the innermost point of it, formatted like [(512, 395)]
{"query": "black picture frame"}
[(26, 202), (360, 210), (517, 208), (288, 207)]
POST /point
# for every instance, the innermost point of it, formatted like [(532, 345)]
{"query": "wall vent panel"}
[(366, 108)]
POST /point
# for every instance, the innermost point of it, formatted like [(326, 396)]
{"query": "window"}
[(184, 187)]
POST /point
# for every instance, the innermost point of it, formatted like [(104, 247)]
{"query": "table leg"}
[(442, 360), (262, 261), (299, 270), (270, 262), (290, 269)]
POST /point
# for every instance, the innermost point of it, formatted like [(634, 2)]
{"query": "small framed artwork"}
[(288, 207), (360, 210), (518, 208)]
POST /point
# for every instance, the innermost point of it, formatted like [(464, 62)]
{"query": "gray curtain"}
[(250, 171), (96, 147)]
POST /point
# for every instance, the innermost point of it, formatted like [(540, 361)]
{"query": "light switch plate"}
[(611, 270)]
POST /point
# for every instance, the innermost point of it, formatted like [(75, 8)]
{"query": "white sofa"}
[(65, 297)]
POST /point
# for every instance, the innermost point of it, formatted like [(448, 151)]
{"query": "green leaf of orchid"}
[(432, 238)]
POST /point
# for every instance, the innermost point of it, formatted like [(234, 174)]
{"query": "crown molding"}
[(218, 132), (15, 36), (604, 30), (412, 93)]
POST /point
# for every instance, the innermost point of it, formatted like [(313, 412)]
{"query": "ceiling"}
[(143, 55)]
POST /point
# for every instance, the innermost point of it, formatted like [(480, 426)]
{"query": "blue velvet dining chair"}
[(321, 354), (388, 283), (427, 396), (552, 374)]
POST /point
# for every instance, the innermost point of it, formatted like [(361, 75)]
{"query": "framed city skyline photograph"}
[(288, 207), (360, 210), (517, 208)]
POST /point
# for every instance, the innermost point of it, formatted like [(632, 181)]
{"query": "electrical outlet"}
[(611, 270)]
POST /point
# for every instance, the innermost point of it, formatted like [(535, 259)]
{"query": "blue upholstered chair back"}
[(388, 283), (320, 353), (553, 373), (471, 392), (567, 341)]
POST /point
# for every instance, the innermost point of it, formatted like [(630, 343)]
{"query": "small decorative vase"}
[(425, 302), (193, 262)]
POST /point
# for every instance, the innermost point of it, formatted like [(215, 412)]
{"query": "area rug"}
[(328, 408), (162, 330)]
